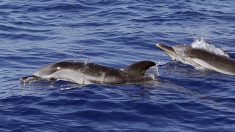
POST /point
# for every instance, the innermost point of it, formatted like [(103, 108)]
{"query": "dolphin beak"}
[(167, 49)]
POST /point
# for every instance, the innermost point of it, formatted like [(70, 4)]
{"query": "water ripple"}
[(114, 33)]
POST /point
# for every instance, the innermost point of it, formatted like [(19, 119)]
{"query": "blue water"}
[(114, 33)]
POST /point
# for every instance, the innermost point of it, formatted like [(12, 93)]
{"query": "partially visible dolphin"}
[(194, 56), (90, 73)]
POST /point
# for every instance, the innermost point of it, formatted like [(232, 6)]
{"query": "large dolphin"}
[(89, 73), (200, 57)]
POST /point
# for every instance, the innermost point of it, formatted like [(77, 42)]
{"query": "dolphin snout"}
[(166, 48)]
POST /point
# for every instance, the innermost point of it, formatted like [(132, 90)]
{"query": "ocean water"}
[(114, 33)]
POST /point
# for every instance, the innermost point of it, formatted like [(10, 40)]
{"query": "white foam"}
[(202, 44), (152, 73)]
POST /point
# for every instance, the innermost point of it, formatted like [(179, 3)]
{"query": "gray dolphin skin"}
[(90, 73), (201, 57)]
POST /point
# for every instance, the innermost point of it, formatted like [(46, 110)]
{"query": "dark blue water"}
[(114, 33)]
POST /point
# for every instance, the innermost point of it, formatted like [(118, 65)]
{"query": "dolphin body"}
[(90, 73), (200, 57)]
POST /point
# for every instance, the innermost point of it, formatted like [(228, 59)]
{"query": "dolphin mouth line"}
[(166, 49)]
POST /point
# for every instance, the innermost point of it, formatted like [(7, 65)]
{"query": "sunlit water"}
[(116, 34)]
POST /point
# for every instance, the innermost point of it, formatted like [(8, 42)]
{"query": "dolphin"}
[(200, 57), (90, 73)]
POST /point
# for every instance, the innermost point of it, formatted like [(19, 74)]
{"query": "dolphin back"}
[(216, 62), (139, 68)]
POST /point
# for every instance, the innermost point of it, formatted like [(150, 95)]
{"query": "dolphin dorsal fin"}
[(139, 68)]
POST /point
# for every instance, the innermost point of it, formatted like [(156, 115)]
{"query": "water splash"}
[(202, 44), (152, 72), (71, 87)]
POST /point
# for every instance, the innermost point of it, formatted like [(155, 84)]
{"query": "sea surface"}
[(114, 33)]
